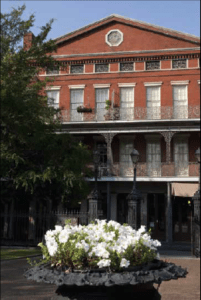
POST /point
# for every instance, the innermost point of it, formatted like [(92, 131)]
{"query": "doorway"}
[(156, 218), (122, 208), (182, 216)]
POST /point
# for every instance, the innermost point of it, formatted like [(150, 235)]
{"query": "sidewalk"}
[(15, 287)]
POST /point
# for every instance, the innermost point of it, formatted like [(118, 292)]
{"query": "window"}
[(126, 165), (101, 68), (153, 65), (181, 156), (53, 98), (153, 95), (77, 99), (102, 94), (77, 69), (102, 148), (127, 103), (153, 157), (53, 70), (126, 67), (179, 63), (180, 101)]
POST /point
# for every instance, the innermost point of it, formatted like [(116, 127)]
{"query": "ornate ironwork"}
[(168, 137), (179, 64), (114, 37), (77, 69), (160, 170), (153, 65), (101, 68), (128, 66), (138, 113), (52, 71)]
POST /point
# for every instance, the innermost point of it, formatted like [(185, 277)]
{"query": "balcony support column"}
[(169, 215), (108, 138), (168, 137)]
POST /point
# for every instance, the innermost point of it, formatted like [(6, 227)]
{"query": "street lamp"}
[(94, 196), (135, 195), (96, 160), (196, 219)]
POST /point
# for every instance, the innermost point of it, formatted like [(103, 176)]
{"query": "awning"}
[(184, 189)]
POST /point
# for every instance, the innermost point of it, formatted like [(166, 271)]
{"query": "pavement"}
[(15, 287)]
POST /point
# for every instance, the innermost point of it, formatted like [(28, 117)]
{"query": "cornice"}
[(126, 59)]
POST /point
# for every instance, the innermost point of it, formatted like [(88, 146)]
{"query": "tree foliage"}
[(32, 155)]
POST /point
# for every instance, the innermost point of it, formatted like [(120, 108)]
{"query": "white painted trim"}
[(127, 84), (121, 34), (51, 88), (159, 83), (184, 82), (100, 86), (79, 86), (148, 179)]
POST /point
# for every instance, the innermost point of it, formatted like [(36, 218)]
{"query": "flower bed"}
[(100, 245)]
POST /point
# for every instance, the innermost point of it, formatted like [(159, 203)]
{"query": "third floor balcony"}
[(131, 114)]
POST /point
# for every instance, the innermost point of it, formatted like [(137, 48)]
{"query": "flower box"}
[(81, 109)]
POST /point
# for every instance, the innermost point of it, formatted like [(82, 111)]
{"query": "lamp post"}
[(196, 219), (94, 195), (135, 195)]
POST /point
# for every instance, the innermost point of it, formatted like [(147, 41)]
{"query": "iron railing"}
[(23, 228), (133, 114), (163, 169)]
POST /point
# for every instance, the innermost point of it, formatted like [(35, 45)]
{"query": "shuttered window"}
[(102, 94), (180, 100), (154, 158), (77, 99), (181, 157), (53, 98), (127, 103), (153, 95), (126, 165)]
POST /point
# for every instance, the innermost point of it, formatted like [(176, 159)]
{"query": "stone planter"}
[(132, 283)]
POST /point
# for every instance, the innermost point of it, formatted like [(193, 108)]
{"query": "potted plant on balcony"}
[(103, 256), (82, 109)]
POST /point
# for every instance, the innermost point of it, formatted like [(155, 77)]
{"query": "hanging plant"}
[(81, 109), (108, 104)]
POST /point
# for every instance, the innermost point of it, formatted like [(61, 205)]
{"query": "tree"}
[(32, 155)]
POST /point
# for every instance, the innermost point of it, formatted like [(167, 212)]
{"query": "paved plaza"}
[(14, 286)]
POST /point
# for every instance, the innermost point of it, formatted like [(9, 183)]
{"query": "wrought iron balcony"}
[(163, 169), (133, 114)]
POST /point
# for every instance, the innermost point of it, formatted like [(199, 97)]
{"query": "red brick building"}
[(151, 75)]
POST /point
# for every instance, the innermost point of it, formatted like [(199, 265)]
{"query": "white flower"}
[(58, 228), (52, 246), (63, 236), (124, 263), (104, 263)]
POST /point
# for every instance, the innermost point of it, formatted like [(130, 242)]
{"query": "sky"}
[(71, 15)]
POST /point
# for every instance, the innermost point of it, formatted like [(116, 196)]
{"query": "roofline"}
[(128, 19)]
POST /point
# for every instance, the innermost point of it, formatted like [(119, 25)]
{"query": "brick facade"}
[(141, 44)]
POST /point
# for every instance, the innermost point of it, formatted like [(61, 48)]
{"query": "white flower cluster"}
[(100, 241)]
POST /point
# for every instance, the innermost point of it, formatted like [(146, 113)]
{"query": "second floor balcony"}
[(131, 114), (150, 170)]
